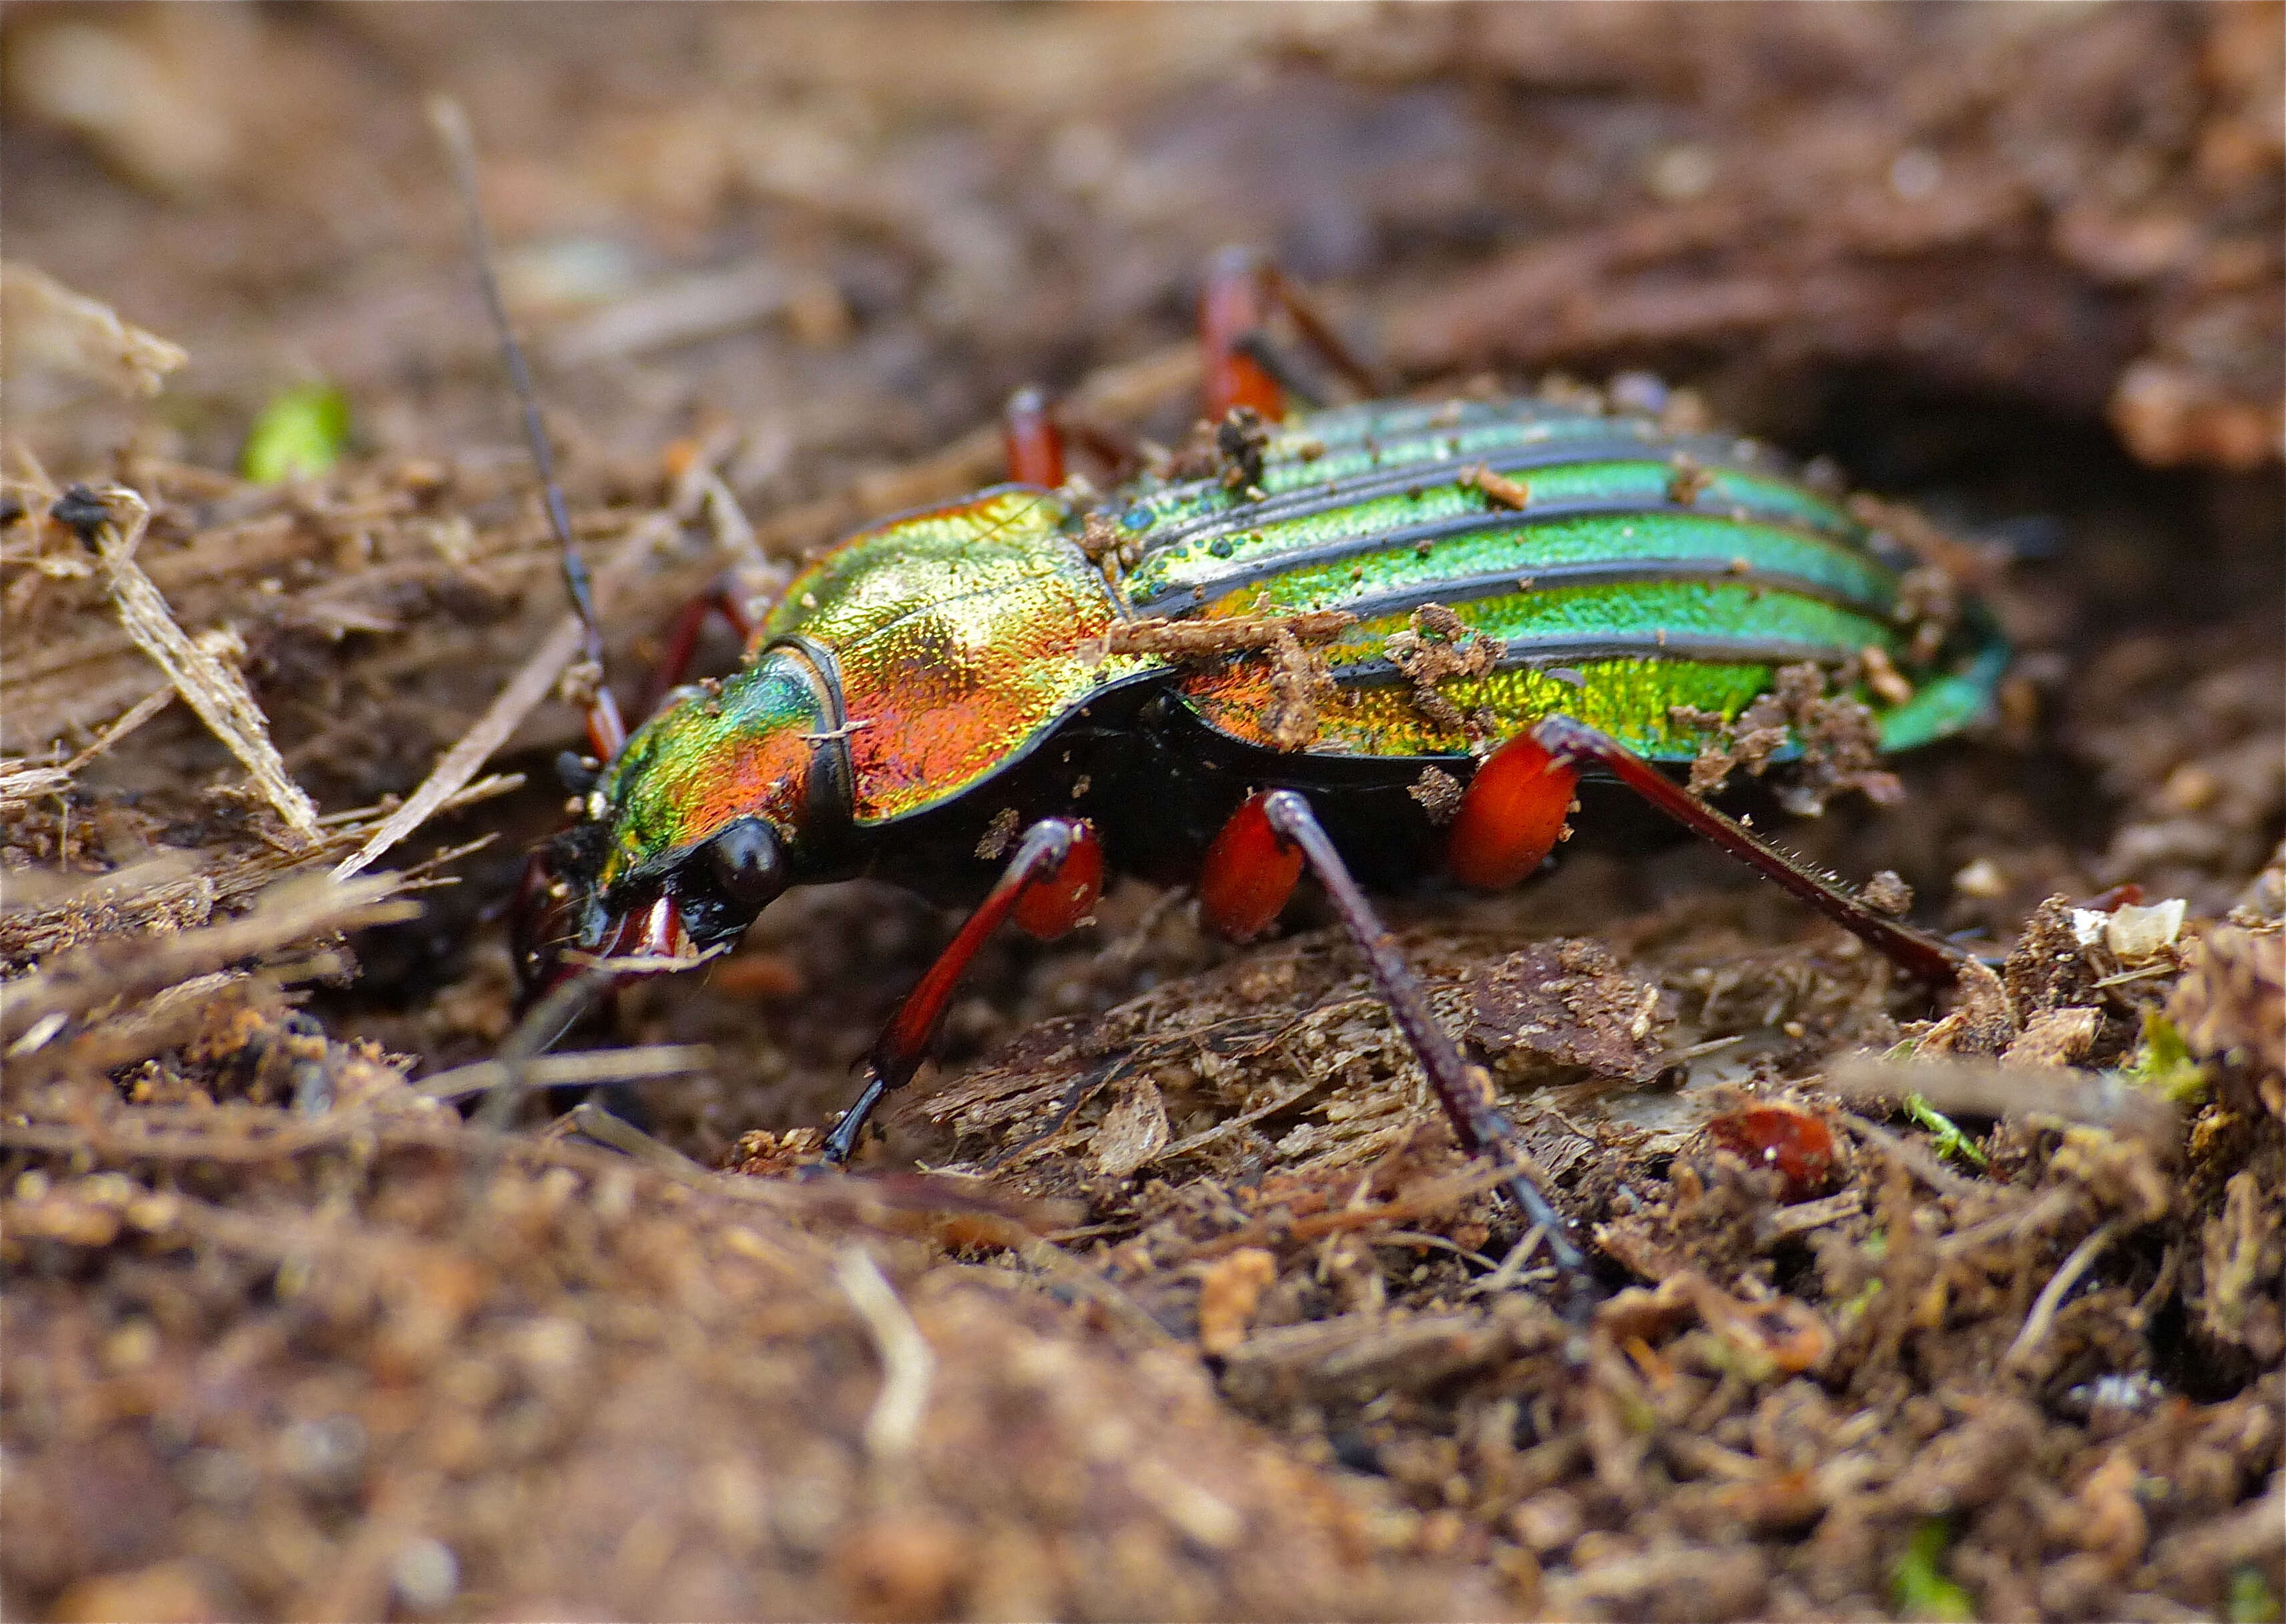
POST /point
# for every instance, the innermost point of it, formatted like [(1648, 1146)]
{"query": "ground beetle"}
[(1372, 640)]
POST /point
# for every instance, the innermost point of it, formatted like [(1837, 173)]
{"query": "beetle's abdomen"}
[(1617, 574)]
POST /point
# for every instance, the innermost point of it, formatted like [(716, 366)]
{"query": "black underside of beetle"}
[(1159, 783)]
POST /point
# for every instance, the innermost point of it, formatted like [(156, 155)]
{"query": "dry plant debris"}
[(198, 671), (572, 1385), (56, 337)]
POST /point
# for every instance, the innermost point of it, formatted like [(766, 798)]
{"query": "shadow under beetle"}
[(1384, 637)]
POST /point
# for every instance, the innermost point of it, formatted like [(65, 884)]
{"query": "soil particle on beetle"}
[(1837, 738), (1437, 793), (1435, 645)]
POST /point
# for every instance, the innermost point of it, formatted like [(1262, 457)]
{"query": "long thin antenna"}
[(451, 122)]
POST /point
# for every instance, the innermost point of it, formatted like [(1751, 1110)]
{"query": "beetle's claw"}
[(841, 1144)]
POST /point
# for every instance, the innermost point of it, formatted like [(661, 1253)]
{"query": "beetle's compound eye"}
[(746, 865)]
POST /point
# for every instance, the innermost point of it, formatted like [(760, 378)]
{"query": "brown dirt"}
[(1194, 1311)]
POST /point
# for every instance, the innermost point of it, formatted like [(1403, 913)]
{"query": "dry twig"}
[(2013, 1094), (78, 981), (907, 1364), (556, 1070), (212, 688), (2052, 1295), (55, 332)]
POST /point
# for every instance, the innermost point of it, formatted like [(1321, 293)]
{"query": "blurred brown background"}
[(878, 220)]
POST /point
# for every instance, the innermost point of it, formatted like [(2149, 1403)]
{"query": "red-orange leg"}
[(1232, 309), (1511, 817), (607, 729), (1033, 437), (1251, 871), (1923, 955), (1233, 312), (1049, 886), (1035, 446)]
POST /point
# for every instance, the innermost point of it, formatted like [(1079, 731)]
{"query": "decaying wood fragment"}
[(1503, 491)]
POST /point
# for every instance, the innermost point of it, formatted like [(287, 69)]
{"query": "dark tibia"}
[(1464, 1090), (1916, 951), (904, 1043)]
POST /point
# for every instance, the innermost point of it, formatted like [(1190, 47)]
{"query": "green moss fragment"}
[(1948, 1139), (1918, 1587), (303, 432), (2162, 1062), (1852, 1311)]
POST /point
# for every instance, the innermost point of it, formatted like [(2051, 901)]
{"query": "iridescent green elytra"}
[(1641, 572)]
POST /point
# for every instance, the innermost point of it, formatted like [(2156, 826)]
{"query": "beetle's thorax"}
[(906, 666), (955, 640)]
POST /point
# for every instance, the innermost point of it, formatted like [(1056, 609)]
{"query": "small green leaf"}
[(301, 432), (2251, 1601), (2162, 1062), (1918, 1585), (1951, 1141)]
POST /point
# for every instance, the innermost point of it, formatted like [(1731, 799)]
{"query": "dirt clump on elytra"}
[(1168, 1292)]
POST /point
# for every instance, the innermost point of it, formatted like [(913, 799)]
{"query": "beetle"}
[(1371, 641)]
